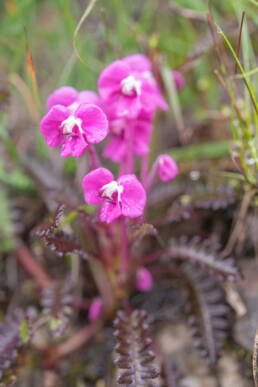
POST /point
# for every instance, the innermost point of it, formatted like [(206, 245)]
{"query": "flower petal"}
[(110, 212), (110, 78), (88, 96), (115, 149), (92, 183), (133, 196), (94, 122), (74, 146), (50, 125), (142, 134), (128, 106), (138, 62), (65, 96)]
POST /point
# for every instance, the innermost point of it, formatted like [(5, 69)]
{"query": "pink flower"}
[(71, 98), (95, 310), (142, 64), (141, 129), (128, 86), (178, 79), (144, 281), (167, 168), (74, 131), (124, 196)]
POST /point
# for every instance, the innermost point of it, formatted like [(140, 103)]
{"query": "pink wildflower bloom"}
[(74, 131), (142, 64), (178, 79), (141, 127), (95, 310), (167, 168), (138, 62), (144, 281), (71, 98), (128, 89), (124, 196)]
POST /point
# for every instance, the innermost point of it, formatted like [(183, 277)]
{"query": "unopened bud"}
[(144, 281), (95, 310), (167, 168)]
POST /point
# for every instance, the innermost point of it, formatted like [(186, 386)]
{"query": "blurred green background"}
[(114, 28)]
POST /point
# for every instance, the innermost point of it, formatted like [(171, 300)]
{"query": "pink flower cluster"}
[(129, 96)]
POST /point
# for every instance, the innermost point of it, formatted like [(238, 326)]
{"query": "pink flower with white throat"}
[(117, 147), (71, 98), (74, 131), (124, 196), (167, 168), (128, 86)]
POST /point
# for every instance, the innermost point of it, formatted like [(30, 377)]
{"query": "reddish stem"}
[(124, 245), (144, 170), (151, 258), (95, 163), (129, 133), (77, 340), (152, 176), (31, 266)]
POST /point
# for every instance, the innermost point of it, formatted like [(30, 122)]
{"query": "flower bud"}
[(95, 310), (144, 281), (167, 168), (178, 79)]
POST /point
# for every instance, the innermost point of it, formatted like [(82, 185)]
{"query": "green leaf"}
[(24, 331)]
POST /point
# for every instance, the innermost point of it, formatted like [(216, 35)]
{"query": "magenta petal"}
[(110, 78), (115, 149), (110, 212), (128, 106), (161, 103), (138, 62), (88, 96), (92, 183), (133, 196), (94, 122), (74, 146), (142, 135), (50, 125), (65, 96)]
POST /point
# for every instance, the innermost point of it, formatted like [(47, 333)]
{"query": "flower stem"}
[(124, 246), (77, 340), (129, 133), (151, 176), (94, 159), (32, 267), (144, 170)]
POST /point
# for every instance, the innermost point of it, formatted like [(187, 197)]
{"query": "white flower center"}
[(130, 85), (109, 189), (68, 125), (148, 75), (73, 107)]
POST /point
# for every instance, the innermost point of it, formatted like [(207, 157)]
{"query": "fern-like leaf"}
[(201, 254), (50, 223), (63, 243), (57, 301), (209, 311), (11, 340), (211, 196), (135, 356)]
